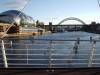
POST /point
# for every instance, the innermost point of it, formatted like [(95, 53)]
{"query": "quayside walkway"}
[(46, 53)]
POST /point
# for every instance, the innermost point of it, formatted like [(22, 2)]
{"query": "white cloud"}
[(17, 4)]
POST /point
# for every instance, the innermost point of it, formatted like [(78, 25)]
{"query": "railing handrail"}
[(97, 40)]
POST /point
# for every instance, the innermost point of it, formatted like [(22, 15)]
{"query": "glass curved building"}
[(15, 16)]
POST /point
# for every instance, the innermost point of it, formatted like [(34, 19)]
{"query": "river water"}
[(52, 51)]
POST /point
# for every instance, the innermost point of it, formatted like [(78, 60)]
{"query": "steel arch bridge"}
[(72, 18)]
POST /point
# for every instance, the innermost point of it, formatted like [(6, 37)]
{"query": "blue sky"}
[(55, 10)]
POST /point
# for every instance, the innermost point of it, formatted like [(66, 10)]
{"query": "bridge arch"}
[(72, 18)]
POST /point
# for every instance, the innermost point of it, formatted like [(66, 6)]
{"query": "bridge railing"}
[(46, 53)]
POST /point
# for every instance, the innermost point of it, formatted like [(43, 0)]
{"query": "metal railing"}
[(46, 53)]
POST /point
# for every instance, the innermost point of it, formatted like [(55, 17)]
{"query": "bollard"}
[(78, 40), (32, 39), (91, 39), (94, 42), (75, 49)]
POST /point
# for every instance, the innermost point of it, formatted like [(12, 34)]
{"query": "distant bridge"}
[(66, 26), (71, 18)]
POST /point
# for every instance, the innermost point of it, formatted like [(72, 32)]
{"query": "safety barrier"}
[(46, 53)]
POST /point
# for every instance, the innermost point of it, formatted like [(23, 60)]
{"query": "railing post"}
[(91, 39), (78, 41), (32, 39), (4, 55), (74, 50), (92, 53), (76, 46), (50, 54), (27, 53)]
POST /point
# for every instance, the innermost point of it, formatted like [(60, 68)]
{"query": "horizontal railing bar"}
[(47, 64), (43, 42), (95, 63), (47, 39), (28, 44), (31, 67), (51, 64), (47, 54), (19, 44), (25, 54), (52, 54), (33, 49), (69, 59), (96, 54), (51, 59), (40, 44), (42, 49), (45, 67), (95, 59), (24, 64), (69, 54), (57, 42), (46, 59), (70, 64), (25, 49), (27, 59)]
